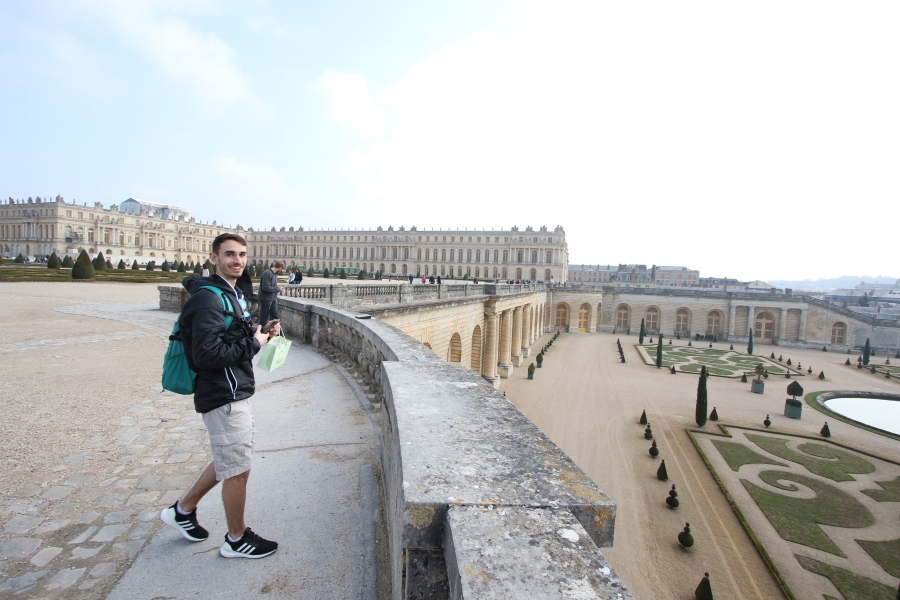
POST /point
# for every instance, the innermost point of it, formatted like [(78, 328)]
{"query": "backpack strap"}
[(226, 304)]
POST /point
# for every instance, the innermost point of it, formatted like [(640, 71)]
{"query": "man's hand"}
[(262, 338), (281, 289), (276, 330)]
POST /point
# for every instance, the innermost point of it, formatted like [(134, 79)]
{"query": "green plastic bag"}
[(274, 353)]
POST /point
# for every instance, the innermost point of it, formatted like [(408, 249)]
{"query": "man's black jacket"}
[(222, 359)]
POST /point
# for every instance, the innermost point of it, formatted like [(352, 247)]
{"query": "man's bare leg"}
[(205, 482), (234, 497)]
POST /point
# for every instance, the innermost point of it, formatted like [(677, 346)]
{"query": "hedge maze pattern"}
[(794, 491), (721, 363)]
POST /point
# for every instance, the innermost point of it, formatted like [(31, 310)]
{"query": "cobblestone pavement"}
[(71, 528)]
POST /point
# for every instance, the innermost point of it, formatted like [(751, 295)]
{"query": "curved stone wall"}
[(460, 466)]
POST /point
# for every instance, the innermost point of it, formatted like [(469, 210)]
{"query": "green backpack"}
[(177, 375)]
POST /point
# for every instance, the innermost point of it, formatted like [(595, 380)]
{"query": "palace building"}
[(532, 254), (133, 230)]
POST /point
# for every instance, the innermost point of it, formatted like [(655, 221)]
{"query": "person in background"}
[(245, 284), (268, 292)]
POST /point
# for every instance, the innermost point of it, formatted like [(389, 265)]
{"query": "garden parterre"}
[(721, 363)]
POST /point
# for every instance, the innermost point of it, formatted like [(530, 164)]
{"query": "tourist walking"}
[(268, 292), (221, 356)]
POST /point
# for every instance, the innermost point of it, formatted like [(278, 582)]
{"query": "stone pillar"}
[(751, 321), (505, 368), (526, 331), (731, 314), (491, 338), (517, 336), (782, 324)]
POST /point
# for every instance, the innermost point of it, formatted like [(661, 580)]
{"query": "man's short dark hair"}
[(225, 237)]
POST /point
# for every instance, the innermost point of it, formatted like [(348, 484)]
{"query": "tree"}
[(864, 299), (867, 352), (83, 269), (795, 389), (704, 590), (67, 262), (659, 353), (208, 266), (151, 265), (19, 259), (641, 333), (181, 267), (165, 266), (121, 264), (701, 398), (53, 261), (378, 275), (108, 264), (343, 274), (134, 265), (361, 275), (750, 343), (325, 273), (198, 268), (98, 263)]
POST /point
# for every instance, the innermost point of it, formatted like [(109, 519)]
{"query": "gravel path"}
[(589, 403)]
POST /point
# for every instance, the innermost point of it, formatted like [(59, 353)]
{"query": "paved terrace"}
[(383, 471)]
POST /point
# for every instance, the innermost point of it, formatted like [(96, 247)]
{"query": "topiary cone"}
[(826, 432), (822, 375), (654, 451), (731, 347), (809, 371), (661, 472), (689, 343), (83, 269), (672, 500), (672, 369), (714, 416), (704, 591), (767, 422), (772, 356), (685, 538), (848, 362), (643, 420), (744, 378), (648, 434)]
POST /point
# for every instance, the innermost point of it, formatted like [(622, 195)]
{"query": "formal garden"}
[(719, 363), (817, 511)]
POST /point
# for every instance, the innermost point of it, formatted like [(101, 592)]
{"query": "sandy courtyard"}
[(589, 403)]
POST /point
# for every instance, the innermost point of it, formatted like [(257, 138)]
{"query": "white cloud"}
[(350, 103), (650, 120), (199, 61)]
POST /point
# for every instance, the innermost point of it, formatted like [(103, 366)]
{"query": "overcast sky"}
[(744, 139)]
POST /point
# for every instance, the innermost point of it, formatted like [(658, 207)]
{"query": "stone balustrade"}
[(463, 469)]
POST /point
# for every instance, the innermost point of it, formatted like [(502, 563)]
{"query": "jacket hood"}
[(194, 282)]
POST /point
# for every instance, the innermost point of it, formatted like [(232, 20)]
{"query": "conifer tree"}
[(659, 353), (750, 343), (121, 264), (867, 352), (209, 266), (198, 268), (151, 265), (135, 266), (685, 538), (343, 274), (83, 269), (108, 264), (661, 472), (641, 333), (325, 273), (53, 261), (701, 398), (672, 500), (643, 420), (99, 263), (181, 267), (165, 266), (704, 590), (67, 262), (19, 259)]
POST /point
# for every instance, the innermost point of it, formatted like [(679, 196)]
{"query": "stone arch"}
[(455, 352), (623, 319), (584, 318), (651, 320), (562, 315), (476, 350), (838, 333), (683, 321)]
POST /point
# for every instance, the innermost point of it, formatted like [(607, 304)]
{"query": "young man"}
[(221, 359), (268, 292)]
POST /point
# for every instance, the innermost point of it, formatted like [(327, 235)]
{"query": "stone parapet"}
[(451, 446)]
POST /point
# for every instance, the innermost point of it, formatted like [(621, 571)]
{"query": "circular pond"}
[(879, 413)]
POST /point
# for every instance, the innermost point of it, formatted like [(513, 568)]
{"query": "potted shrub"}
[(540, 359), (531, 371), (793, 407), (757, 386)]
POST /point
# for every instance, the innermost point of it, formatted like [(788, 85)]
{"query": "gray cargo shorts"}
[(231, 434)]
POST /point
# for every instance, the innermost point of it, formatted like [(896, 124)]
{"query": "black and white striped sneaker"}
[(249, 546), (185, 524)]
